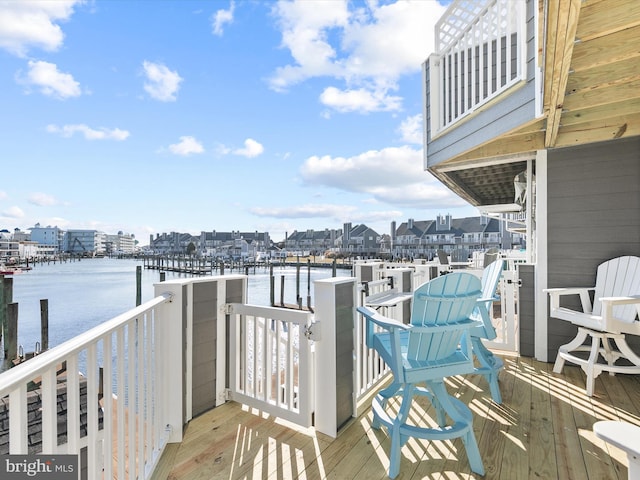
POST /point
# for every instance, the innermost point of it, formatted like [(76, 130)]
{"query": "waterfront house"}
[(421, 239), (359, 240), (313, 241), (173, 243), (234, 244), (532, 113)]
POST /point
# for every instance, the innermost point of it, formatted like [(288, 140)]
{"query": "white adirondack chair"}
[(613, 314)]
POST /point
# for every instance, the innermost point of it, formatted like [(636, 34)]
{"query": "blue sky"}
[(157, 116)]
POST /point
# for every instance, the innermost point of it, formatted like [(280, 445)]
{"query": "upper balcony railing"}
[(480, 53)]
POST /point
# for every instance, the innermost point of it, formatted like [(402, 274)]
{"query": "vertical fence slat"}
[(93, 464), (107, 405), (150, 387), (131, 401), (120, 359), (49, 411), (73, 405), (18, 441), (141, 386)]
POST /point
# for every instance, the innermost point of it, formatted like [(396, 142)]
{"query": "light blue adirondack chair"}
[(490, 365), (427, 350)]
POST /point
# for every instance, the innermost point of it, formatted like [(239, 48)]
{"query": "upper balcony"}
[(510, 78), (480, 54)]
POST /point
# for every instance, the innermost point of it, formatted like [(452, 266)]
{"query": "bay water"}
[(82, 294)]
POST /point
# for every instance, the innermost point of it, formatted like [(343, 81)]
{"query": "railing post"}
[(170, 378), (334, 391)]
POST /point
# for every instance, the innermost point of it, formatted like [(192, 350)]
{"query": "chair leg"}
[(564, 349), (382, 397), (627, 353), (460, 414), (397, 440), (490, 367), (589, 368)]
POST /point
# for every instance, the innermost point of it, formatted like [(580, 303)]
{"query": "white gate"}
[(506, 322), (270, 360)]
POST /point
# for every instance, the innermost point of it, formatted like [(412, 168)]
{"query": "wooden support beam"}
[(561, 33)]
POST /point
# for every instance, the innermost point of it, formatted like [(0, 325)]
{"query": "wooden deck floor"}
[(543, 430)]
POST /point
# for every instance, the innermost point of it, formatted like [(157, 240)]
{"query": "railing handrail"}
[(40, 363)]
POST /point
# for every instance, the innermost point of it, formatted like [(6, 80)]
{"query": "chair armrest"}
[(609, 302), (380, 320), (583, 292), (621, 434)]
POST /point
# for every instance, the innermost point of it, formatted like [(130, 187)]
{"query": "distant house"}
[(172, 243), (360, 240), (234, 244), (421, 239), (312, 241)]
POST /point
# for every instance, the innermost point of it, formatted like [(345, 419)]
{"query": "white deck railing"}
[(480, 53), (126, 416)]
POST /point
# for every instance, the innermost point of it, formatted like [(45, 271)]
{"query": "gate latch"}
[(312, 331)]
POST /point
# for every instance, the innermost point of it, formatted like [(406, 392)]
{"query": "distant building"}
[(84, 242), (120, 243), (9, 249), (48, 236)]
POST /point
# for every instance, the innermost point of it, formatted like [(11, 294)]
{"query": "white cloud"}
[(25, 24), (3, 195), (50, 81), (222, 17), (186, 146), (391, 175), (42, 199), (411, 129), (368, 47), (162, 84), (13, 212), (251, 149), (359, 100), (89, 133), (305, 211)]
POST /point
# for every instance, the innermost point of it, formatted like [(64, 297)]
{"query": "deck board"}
[(543, 429)]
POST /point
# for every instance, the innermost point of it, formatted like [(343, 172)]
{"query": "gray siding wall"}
[(526, 309), (509, 111), (205, 321), (593, 216), (344, 353)]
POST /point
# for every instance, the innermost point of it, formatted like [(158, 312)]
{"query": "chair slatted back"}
[(440, 315), (619, 277)]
